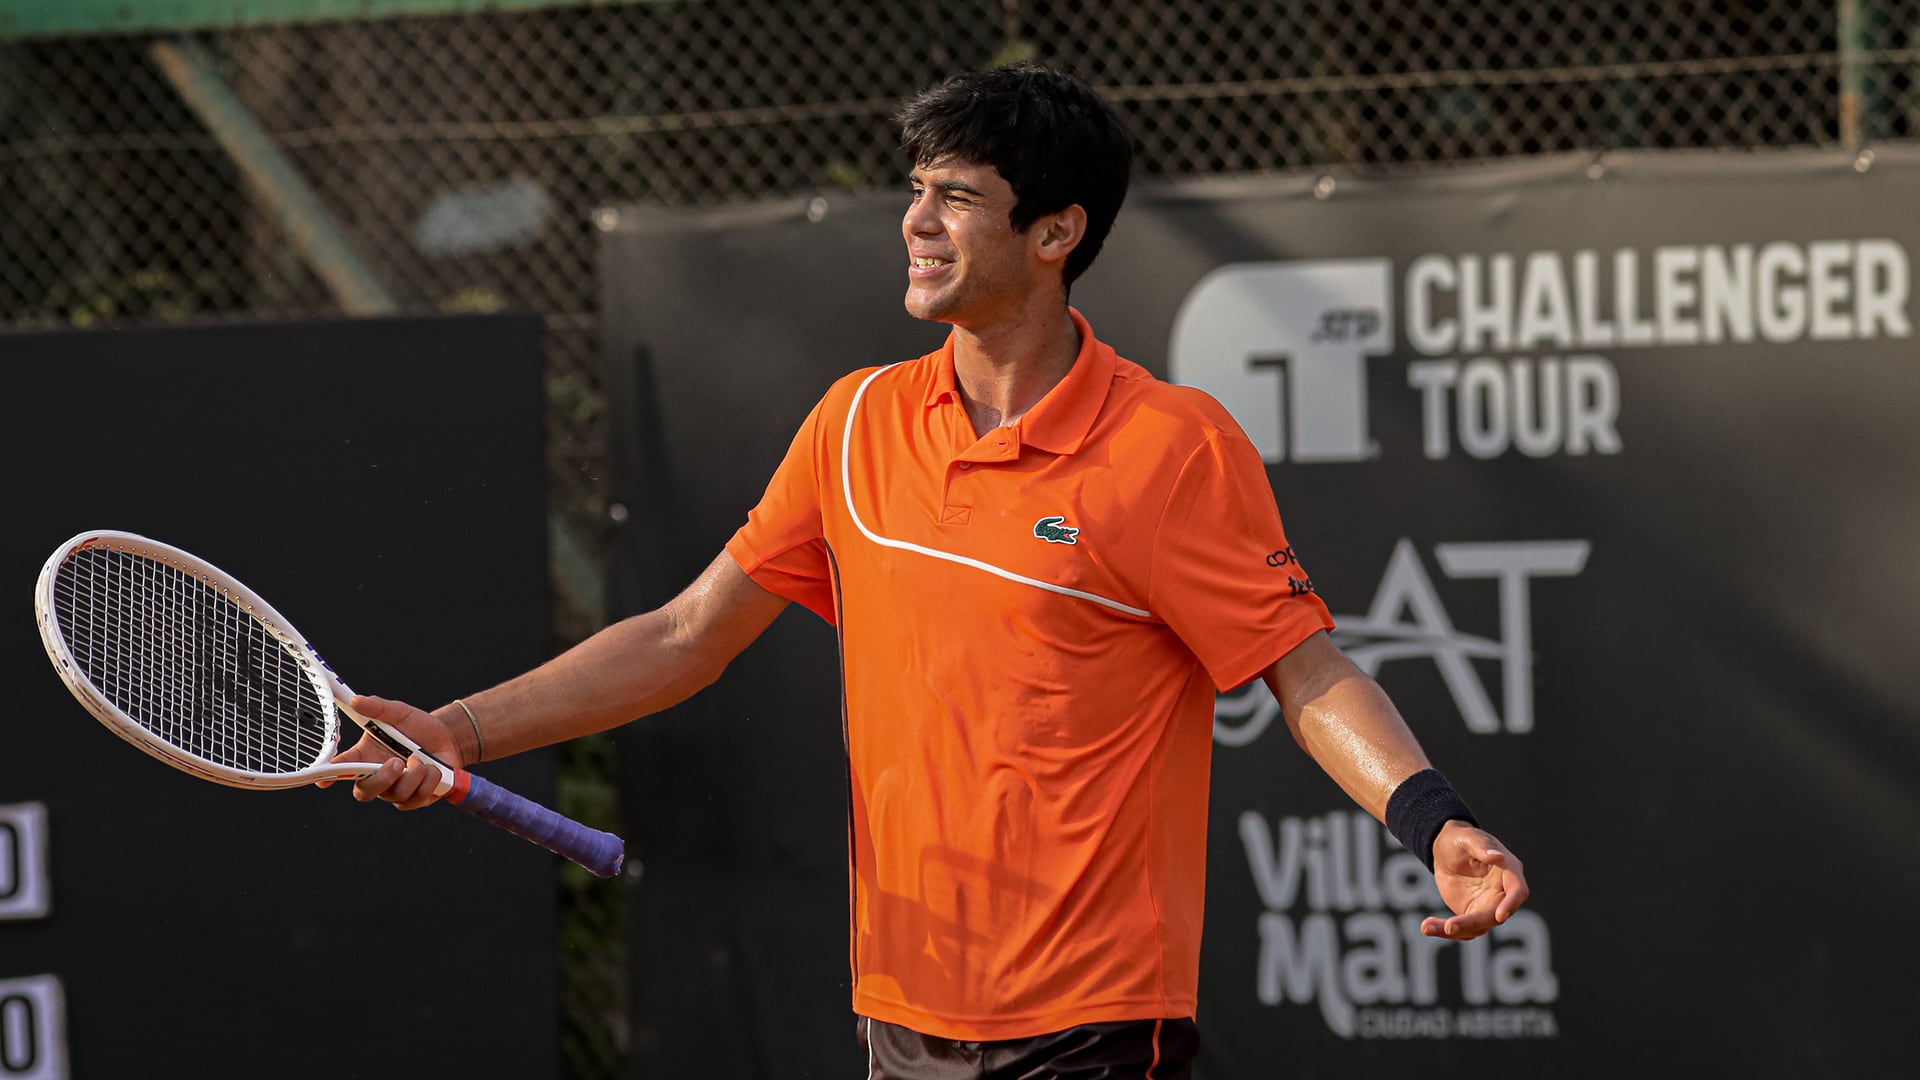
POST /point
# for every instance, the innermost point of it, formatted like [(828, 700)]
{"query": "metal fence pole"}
[(312, 229), (1849, 40)]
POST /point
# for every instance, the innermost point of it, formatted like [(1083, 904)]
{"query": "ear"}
[(1056, 235)]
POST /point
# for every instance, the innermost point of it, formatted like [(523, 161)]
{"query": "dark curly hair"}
[(1044, 130)]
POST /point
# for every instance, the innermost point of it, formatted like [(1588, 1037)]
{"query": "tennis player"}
[(1042, 563)]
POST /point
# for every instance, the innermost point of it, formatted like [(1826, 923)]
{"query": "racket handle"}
[(600, 852)]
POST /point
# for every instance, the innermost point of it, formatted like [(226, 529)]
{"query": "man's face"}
[(966, 263)]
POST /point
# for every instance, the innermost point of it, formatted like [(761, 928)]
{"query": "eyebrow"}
[(947, 185)]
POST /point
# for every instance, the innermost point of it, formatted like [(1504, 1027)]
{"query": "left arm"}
[(1344, 721)]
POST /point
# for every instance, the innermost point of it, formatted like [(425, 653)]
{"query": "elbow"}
[(705, 672), (696, 665)]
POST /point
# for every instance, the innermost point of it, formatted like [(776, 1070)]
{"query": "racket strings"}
[(189, 664)]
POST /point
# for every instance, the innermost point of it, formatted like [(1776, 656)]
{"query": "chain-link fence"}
[(457, 158), (462, 154)]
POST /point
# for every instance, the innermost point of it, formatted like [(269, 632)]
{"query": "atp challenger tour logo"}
[(1510, 344)]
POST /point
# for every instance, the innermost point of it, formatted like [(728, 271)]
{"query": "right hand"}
[(407, 783)]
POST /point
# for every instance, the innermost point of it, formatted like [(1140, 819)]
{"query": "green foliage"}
[(1013, 52), (472, 300), (595, 1029), (141, 294)]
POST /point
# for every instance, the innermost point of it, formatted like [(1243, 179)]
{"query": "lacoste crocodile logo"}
[(1055, 530)]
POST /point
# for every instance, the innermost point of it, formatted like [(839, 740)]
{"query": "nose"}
[(920, 219)]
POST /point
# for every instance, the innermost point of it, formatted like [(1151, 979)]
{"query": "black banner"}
[(1603, 467), (382, 484)]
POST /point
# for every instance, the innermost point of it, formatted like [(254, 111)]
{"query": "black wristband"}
[(1420, 807)]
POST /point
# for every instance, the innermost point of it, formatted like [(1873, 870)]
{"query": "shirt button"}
[(965, 465)]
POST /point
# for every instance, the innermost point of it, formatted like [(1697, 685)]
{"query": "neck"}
[(1004, 369)]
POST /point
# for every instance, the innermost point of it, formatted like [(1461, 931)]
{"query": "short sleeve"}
[(1224, 577), (782, 546)]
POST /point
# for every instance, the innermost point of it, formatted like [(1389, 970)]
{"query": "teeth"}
[(925, 263)]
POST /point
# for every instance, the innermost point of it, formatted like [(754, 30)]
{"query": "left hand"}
[(1479, 879)]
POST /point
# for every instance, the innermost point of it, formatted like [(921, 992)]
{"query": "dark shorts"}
[(1125, 1050)]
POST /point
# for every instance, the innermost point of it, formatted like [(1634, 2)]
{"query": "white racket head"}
[(183, 661)]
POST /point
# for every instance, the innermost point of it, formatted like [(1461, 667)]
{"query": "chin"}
[(928, 308)]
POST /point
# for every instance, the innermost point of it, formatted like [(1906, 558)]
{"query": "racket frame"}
[(601, 853), (333, 693)]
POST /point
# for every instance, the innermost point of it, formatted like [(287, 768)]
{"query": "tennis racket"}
[(183, 661)]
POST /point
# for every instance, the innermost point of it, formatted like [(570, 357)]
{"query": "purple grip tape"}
[(600, 852)]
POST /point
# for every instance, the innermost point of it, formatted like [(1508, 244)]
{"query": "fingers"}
[(1458, 927), (1513, 886), (1509, 880), (1481, 881), (1461, 849), (372, 787), (1475, 854), (398, 713), (425, 729), (407, 784), (364, 750)]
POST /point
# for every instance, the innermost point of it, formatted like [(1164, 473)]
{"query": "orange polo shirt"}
[(1032, 626)]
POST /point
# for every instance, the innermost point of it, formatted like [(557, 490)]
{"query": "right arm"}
[(635, 667)]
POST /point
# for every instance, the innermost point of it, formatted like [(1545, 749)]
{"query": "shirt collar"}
[(1059, 423)]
